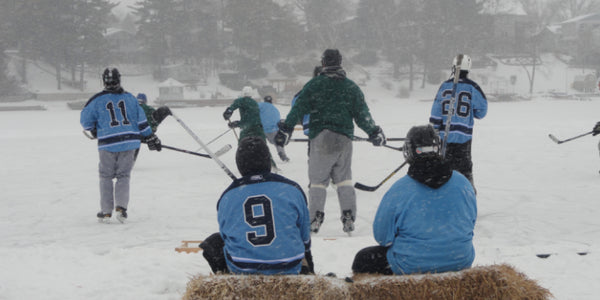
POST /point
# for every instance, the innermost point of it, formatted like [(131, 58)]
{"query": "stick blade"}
[(363, 187), (554, 139), (223, 150)]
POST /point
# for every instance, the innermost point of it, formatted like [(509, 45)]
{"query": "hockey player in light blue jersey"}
[(470, 103), (425, 221), (115, 118), (264, 225), (269, 117)]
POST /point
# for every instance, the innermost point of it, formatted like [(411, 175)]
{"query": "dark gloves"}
[(284, 134), (227, 113), (596, 129), (234, 124), (377, 137), (308, 267), (94, 132), (153, 142), (161, 113)]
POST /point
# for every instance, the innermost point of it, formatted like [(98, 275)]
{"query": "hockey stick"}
[(235, 133), (210, 153), (219, 152), (387, 146), (363, 187), (88, 135), (556, 140), (220, 135), (450, 114)]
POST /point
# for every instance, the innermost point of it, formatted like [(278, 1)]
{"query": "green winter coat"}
[(250, 124), (148, 110), (333, 102)]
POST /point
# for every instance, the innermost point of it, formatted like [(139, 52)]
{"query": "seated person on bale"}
[(264, 225), (425, 221)]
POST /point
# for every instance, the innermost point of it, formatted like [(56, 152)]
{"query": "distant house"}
[(510, 25), (170, 89), (123, 45), (580, 36)]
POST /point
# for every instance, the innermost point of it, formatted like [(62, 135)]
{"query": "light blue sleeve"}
[(88, 117), (480, 105), (384, 225)]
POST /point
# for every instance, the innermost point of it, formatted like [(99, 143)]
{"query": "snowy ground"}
[(534, 196)]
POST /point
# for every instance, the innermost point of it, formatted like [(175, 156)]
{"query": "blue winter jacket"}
[(269, 116), (470, 103), (264, 222), (118, 118), (427, 230)]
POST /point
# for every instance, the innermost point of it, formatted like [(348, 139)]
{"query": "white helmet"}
[(247, 91), (465, 65)]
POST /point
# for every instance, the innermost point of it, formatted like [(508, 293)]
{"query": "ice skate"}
[(104, 217), (315, 224), (121, 214), (348, 221)]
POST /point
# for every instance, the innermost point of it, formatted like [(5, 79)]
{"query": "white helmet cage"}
[(464, 66)]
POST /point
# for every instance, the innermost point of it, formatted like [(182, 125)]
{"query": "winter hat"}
[(247, 91), (331, 57), (253, 156), (142, 98)]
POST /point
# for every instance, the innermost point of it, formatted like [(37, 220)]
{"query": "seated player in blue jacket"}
[(264, 225), (425, 221)]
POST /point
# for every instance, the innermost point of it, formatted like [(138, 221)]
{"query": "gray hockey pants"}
[(115, 165), (330, 158)]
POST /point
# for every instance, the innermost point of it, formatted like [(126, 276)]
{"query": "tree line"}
[(416, 37)]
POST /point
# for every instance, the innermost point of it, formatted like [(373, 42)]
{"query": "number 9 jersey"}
[(264, 222)]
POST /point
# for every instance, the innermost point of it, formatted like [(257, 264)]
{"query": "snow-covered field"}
[(534, 196)]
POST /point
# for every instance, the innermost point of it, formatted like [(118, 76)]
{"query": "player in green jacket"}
[(334, 103)]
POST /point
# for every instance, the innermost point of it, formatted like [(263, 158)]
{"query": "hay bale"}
[(265, 287), (489, 282)]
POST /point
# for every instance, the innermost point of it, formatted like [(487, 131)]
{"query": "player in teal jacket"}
[(263, 220), (115, 118), (425, 221)]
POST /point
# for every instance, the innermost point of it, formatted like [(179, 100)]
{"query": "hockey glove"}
[(94, 132), (153, 142), (284, 134), (161, 113), (308, 267), (596, 129), (377, 137), (234, 124), (227, 114)]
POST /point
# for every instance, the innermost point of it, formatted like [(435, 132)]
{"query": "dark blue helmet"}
[(111, 79)]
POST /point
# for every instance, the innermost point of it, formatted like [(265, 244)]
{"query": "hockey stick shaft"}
[(358, 139), (556, 140), (219, 152), (367, 188), (210, 153), (185, 151), (451, 105), (216, 138)]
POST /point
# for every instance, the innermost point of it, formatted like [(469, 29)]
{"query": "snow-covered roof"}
[(593, 17), (503, 7), (171, 83)]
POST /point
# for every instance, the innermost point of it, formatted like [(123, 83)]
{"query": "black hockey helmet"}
[(268, 99), (421, 141), (331, 57), (253, 156), (111, 79)]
